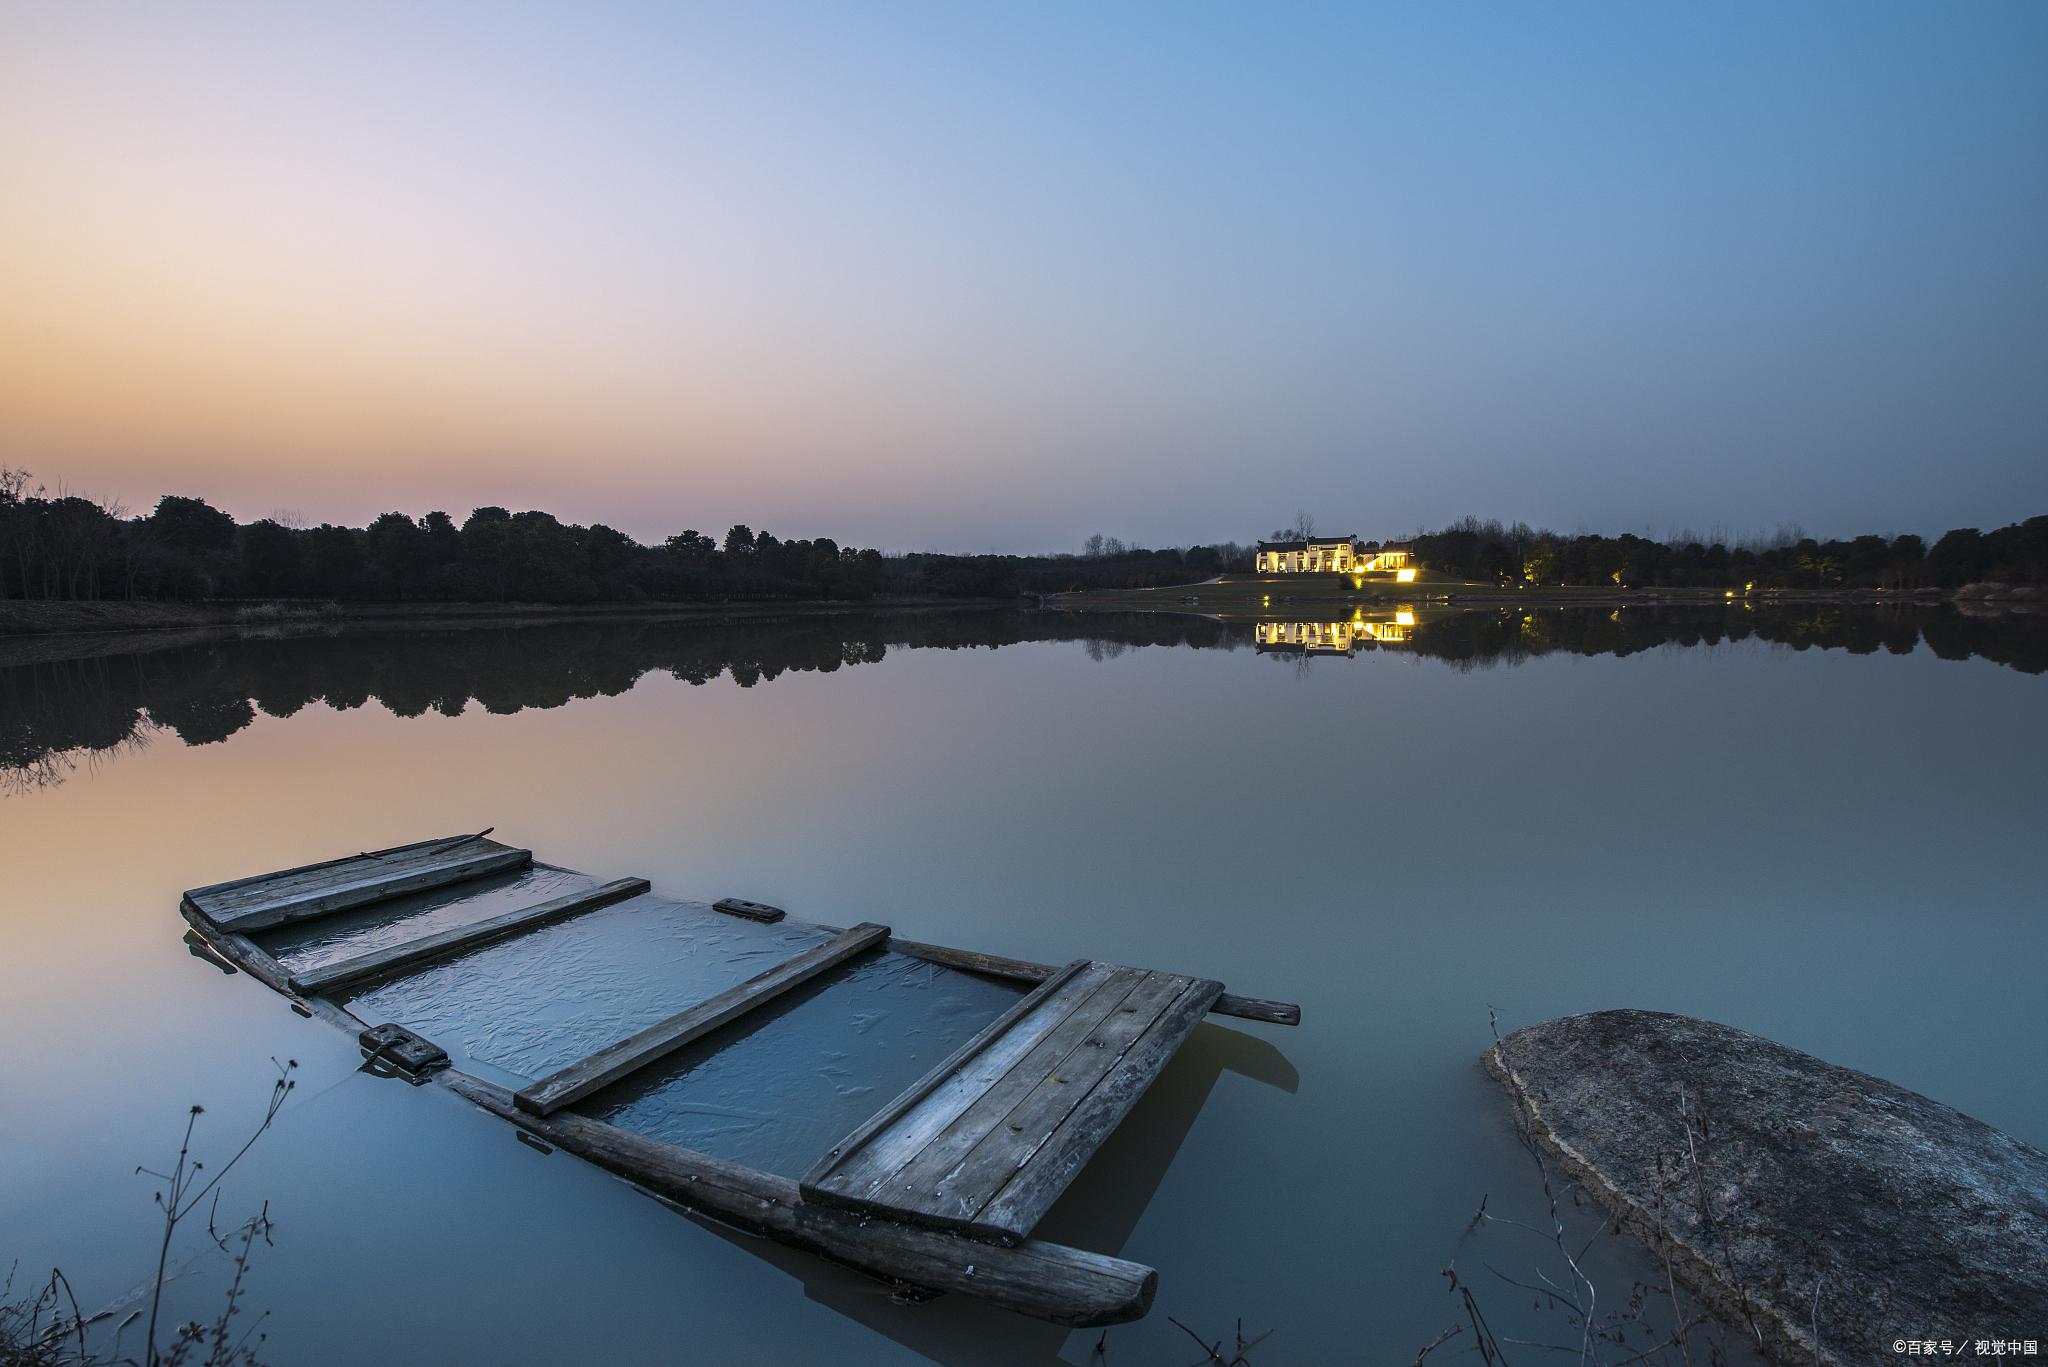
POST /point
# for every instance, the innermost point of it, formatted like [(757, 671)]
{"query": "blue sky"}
[(999, 276)]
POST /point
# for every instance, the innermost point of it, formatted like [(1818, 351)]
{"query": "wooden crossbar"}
[(608, 1065), (299, 870), (988, 1139), (350, 892)]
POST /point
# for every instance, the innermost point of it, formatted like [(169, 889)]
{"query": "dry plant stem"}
[(1585, 1308), (1581, 1296), (1214, 1351), (1438, 1342), (179, 1199)]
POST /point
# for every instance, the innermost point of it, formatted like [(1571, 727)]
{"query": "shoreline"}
[(45, 618), (35, 646)]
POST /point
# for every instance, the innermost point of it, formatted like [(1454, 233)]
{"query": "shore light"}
[(1404, 576)]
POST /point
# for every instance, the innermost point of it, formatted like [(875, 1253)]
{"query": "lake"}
[(1818, 824)]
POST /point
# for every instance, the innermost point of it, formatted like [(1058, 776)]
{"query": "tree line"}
[(63, 546), (1471, 549)]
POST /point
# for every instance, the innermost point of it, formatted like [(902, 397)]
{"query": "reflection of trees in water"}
[(55, 714), (52, 713), (50, 767), (1482, 639)]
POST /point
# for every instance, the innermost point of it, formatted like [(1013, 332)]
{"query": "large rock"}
[(1795, 1197)]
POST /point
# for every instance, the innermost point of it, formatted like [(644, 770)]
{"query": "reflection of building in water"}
[(1329, 555), (1331, 638)]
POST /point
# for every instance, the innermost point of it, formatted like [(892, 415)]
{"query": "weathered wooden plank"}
[(928, 1172), (894, 1134), (241, 951), (1039, 1182), (238, 950), (1024, 970), (233, 884), (412, 953), (373, 887), (608, 1065), (225, 904), (1057, 1094), (752, 911), (1067, 1286)]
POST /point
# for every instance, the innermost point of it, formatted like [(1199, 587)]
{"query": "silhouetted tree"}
[(271, 562), (398, 557), (1956, 559)]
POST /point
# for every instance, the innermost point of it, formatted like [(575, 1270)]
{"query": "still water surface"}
[(1819, 827)]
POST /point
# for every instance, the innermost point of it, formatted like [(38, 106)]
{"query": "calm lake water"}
[(1820, 826)]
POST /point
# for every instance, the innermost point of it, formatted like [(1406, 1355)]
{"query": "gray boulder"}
[(1827, 1213)]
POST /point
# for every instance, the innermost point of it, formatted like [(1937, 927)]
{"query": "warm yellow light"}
[(1404, 619), (1404, 576), (1357, 581)]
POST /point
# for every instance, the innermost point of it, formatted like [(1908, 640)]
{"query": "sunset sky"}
[(968, 277)]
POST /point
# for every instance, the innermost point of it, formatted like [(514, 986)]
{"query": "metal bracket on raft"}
[(753, 911), (394, 1051)]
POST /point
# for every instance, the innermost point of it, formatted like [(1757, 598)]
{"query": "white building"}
[(1328, 555)]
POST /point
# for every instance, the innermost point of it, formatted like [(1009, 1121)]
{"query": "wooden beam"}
[(1048, 1281), (351, 894), (362, 892), (233, 883), (241, 951), (853, 1166), (1023, 970), (608, 1065), (413, 953), (1008, 1081), (1059, 1151)]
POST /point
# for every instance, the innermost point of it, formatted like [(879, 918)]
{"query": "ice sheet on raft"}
[(780, 1087), (527, 1006)]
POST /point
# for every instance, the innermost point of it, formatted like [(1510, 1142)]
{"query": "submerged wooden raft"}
[(939, 1190)]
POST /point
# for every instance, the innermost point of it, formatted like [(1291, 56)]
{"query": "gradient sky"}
[(980, 277)]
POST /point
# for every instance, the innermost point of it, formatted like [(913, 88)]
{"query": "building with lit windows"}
[(1328, 555)]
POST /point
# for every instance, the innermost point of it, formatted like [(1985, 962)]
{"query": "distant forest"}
[(67, 547), (63, 546), (2016, 554)]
